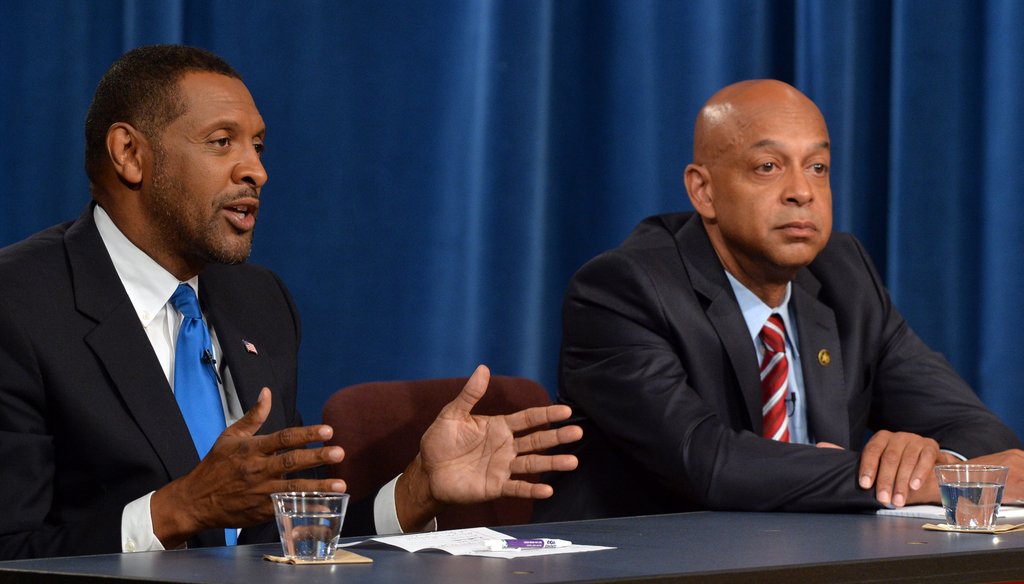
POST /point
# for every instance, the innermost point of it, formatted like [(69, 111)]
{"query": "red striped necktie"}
[(774, 380)]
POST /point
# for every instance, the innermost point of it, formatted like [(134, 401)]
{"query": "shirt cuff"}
[(137, 527), (953, 453), (385, 512)]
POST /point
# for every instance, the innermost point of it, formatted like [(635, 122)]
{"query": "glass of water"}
[(971, 493), (309, 523)]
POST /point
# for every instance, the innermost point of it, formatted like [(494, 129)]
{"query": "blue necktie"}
[(195, 379)]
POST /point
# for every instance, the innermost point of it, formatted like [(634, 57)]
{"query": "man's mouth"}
[(800, 227), (242, 213), (240, 210)]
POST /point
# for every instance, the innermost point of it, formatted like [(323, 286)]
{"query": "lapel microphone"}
[(208, 358)]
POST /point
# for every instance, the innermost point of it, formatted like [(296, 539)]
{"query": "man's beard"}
[(186, 229)]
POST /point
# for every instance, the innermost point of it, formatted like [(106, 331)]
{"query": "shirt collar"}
[(148, 284), (756, 312)]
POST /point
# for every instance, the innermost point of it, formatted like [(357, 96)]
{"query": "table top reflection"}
[(704, 547)]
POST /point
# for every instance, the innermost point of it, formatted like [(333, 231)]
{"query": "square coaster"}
[(340, 557), (998, 528)]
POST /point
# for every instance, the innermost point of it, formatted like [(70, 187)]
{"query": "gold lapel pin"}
[(824, 358)]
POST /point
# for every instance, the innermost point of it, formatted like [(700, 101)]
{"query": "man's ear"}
[(125, 146), (698, 187)]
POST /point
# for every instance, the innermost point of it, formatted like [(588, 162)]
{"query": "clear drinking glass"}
[(309, 523), (971, 493)]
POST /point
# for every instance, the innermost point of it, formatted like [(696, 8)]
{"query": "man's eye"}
[(819, 168), (222, 142), (259, 147), (766, 167)]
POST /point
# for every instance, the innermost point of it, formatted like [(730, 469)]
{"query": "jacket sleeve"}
[(28, 525)]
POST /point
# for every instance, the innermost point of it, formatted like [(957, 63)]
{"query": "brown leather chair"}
[(379, 424)]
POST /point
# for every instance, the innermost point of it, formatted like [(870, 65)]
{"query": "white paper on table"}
[(469, 542), (937, 512)]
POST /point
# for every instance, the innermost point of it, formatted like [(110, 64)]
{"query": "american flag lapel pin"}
[(250, 347)]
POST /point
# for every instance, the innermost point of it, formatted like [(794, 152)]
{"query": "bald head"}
[(760, 182), (725, 120)]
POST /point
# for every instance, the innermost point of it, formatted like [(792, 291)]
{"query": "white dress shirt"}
[(149, 287)]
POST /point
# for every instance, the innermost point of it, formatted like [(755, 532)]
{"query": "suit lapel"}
[(708, 279), (250, 370), (121, 345), (821, 362)]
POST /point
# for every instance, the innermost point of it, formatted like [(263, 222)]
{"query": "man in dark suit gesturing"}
[(98, 447), (739, 357)]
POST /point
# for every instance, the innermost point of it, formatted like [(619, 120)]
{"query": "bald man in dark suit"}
[(667, 360)]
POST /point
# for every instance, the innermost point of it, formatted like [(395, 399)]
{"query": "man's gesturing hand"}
[(231, 487), (468, 459)]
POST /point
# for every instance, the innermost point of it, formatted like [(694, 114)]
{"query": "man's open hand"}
[(466, 458), (231, 486)]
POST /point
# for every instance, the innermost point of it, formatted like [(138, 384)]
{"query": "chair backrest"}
[(379, 424)]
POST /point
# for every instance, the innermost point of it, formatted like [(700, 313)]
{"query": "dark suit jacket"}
[(88, 422), (657, 360)]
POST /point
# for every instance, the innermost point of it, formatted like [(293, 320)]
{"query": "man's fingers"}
[(911, 455), (299, 485), (540, 463), (289, 438), (253, 419), (290, 461), (475, 388), (270, 466), (544, 439), (538, 416), (925, 463), (917, 462), (302, 458), (526, 490), (869, 458), (922, 470), (888, 466)]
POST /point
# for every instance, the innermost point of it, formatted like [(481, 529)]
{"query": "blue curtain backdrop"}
[(440, 168)]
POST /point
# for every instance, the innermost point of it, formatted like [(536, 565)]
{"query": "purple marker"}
[(497, 545)]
